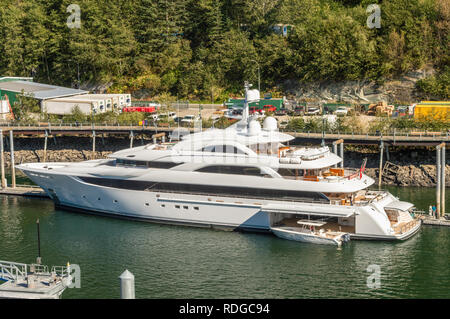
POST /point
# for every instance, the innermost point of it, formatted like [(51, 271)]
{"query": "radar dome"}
[(270, 124), (254, 128)]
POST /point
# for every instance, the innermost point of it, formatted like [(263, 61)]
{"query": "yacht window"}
[(161, 164), (222, 149), (153, 164), (231, 169), (216, 190), (290, 172)]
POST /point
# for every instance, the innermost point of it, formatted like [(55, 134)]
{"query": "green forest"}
[(205, 49)]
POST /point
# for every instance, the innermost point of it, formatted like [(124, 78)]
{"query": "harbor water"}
[(185, 262)]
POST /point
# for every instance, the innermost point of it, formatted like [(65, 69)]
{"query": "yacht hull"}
[(220, 212)]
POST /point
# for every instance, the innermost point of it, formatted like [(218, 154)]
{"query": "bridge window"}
[(230, 149), (145, 164), (231, 169)]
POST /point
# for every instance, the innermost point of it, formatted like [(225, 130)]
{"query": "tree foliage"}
[(205, 49)]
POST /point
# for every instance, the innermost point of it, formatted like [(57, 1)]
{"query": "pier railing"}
[(413, 133), (12, 271)]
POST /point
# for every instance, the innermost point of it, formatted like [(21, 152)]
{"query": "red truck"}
[(269, 108)]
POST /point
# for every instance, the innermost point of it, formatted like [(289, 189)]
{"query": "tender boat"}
[(311, 231)]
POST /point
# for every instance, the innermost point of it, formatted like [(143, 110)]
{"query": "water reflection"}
[(185, 262)]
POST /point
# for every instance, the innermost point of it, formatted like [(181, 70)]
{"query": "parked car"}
[(341, 111), (167, 116), (269, 108), (177, 119), (299, 110), (313, 110), (282, 111), (283, 124), (189, 119)]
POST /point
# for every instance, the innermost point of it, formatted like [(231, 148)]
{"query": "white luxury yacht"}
[(243, 177)]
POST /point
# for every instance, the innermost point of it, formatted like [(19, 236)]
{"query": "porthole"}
[(147, 204), (185, 207), (163, 205), (196, 208), (177, 206)]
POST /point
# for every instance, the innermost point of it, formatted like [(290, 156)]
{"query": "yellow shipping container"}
[(432, 110)]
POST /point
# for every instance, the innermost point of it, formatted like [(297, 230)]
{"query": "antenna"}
[(245, 110)]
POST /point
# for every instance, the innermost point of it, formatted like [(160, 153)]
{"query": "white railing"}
[(12, 271)]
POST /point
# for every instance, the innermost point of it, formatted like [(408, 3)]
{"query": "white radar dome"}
[(254, 128), (270, 124), (253, 95)]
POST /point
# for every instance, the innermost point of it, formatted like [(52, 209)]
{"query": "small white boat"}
[(307, 233)]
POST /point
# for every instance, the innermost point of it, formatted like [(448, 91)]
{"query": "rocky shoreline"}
[(408, 166)]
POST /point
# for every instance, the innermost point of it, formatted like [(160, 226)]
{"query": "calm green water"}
[(184, 262)]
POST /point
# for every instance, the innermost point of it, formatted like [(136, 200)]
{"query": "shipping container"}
[(438, 110)]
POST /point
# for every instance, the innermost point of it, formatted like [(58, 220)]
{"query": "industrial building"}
[(59, 100)]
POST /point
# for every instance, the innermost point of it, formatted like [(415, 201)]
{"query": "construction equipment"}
[(380, 108)]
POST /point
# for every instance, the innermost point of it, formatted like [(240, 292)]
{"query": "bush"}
[(130, 118)]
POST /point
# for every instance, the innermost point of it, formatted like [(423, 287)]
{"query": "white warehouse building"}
[(60, 100)]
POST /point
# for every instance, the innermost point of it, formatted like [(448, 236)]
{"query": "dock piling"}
[(438, 181), (443, 179), (342, 153), (127, 285), (380, 173), (45, 146), (93, 144), (2, 161), (13, 168), (131, 139)]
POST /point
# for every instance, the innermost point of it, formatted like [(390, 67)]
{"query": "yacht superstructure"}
[(243, 177)]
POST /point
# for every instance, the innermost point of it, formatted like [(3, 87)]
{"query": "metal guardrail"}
[(411, 133), (12, 271)]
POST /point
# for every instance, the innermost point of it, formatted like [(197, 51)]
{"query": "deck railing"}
[(12, 271)]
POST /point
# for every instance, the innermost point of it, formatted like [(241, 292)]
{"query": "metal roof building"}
[(37, 90)]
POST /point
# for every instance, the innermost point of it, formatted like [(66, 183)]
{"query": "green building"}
[(278, 103)]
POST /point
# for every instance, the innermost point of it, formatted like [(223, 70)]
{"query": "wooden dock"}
[(27, 191)]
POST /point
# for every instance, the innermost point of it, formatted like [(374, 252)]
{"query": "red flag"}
[(363, 167)]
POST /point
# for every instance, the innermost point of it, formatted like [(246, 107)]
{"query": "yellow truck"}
[(437, 110)]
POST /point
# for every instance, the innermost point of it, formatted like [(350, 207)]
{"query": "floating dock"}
[(435, 222), (34, 281)]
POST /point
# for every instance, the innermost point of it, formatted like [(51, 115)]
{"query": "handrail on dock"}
[(12, 270)]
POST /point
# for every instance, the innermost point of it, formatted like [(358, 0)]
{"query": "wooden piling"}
[(131, 139), (13, 168), (443, 179), (93, 144), (440, 180), (45, 146), (2, 161), (380, 173)]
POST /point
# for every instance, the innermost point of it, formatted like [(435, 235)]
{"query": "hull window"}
[(213, 190)]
